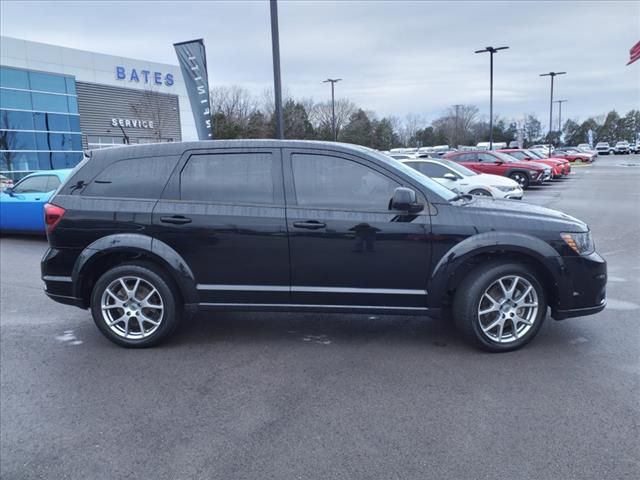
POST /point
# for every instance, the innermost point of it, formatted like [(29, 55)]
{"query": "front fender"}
[(495, 242), (136, 243)]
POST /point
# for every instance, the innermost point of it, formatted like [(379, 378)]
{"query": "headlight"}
[(503, 189), (581, 243)]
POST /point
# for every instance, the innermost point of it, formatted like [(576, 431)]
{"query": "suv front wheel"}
[(500, 306), (134, 305), (522, 179)]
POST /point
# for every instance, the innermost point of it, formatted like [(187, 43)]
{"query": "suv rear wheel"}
[(134, 305), (500, 306)]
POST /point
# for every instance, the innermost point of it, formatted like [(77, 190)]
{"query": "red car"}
[(572, 155), (559, 166), (496, 163)]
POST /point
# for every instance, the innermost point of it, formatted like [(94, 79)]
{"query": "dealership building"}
[(57, 102)]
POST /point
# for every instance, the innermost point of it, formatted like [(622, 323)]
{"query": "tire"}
[(480, 192), (470, 300), (521, 178), (139, 326)]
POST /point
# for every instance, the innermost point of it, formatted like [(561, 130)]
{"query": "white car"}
[(462, 180)]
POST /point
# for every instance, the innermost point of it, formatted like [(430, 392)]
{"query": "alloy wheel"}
[(518, 177), (132, 307), (508, 309)]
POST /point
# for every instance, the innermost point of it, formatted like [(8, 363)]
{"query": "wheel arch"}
[(454, 265), (112, 250)]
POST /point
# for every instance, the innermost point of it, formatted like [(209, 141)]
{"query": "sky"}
[(395, 57)]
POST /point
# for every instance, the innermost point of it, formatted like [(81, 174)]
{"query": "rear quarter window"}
[(132, 178)]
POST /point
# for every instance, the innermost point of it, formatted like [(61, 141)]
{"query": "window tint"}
[(132, 178), (53, 182), (16, 120), (17, 141), (465, 157), (229, 178), (65, 159), (433, 170), (15, 99), (518, 155), (487, 158), (47, 83), (13, 78), (33, 184), (50, 103), (331, 182)]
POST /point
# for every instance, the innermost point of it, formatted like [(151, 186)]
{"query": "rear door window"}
[(231, 178), (465, 157), (432, 170), (486, 158), (132, 178)]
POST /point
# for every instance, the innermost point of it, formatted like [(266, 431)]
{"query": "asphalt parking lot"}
[(288, 396)]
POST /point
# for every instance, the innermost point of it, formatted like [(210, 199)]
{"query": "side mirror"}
[(498, 162), (450, 176), (9, 191), (405, 200)]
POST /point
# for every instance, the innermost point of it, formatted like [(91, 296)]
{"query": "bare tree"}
[(412, 123), (321, 114), (152, 107), (235, 103)]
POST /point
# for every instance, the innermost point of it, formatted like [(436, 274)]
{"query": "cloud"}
[(395, 57)]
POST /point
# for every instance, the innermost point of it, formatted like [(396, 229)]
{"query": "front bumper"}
[(583, 287)]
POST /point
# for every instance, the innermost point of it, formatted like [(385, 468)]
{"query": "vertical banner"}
[(193, 63)]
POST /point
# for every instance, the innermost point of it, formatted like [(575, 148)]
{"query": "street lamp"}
[(333, 81), (552, 75), (277, 84), (560, 102), (491, 51)]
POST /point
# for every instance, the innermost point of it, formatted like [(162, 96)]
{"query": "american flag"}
[(634, 53)]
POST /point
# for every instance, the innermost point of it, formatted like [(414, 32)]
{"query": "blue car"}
[(22, 206)]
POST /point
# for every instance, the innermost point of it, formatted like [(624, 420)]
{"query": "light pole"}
[(491, 51), (277, 86), (333, 82), (455, 132), (560, 102), (552, 75)]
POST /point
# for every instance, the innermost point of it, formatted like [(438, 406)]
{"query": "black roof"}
[(178, 148)]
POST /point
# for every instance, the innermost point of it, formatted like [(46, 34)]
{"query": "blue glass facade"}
[(39, 121)]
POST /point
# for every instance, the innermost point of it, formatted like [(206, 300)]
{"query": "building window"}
[(39, 122)]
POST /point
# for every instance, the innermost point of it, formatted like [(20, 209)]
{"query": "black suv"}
[(144, 235)]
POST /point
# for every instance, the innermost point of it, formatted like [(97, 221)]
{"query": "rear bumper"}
[(76, 302)]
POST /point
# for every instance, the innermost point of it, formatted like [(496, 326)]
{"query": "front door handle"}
[(310, 225), (176, 220)]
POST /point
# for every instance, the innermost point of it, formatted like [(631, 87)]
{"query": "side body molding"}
[(143, 244), (499, 242)]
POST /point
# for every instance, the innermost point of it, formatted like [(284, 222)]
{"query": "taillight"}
[(52, 216)]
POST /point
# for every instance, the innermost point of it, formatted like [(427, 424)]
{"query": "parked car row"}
[(502, 174), (620, 148)]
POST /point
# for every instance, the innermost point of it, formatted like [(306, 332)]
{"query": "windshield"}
[(504, 157), (432, 185), (462, 170), (533, 154)]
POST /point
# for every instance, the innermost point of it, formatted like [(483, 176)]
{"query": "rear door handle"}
[(175, 219), (310, 225)]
